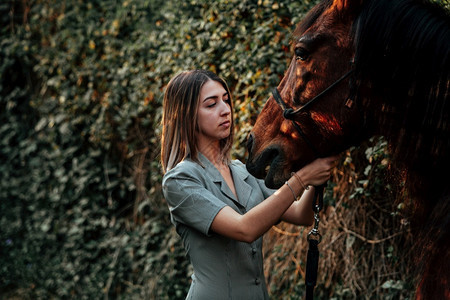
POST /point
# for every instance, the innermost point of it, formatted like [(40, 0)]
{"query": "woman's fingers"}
[(321, 169)]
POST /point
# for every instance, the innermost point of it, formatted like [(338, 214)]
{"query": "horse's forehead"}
[(328, 21), (331, 24), (341, 10)]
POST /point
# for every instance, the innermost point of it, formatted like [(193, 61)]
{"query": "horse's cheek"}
[(328, 123)]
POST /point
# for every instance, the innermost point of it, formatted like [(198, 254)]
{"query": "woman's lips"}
[(225, 124)]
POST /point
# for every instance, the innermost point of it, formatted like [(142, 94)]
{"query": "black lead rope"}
[(314, 238)]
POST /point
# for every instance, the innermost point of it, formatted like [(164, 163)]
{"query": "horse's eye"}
[(301, 54)]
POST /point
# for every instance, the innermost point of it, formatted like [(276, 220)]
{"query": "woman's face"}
[(214, 113)]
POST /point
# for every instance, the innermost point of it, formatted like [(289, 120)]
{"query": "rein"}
[(314, 237), (312, 259)]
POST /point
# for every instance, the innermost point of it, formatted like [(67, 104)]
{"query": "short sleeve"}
[(190, 203)]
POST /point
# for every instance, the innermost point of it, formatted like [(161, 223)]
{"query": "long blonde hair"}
[(179, 120)]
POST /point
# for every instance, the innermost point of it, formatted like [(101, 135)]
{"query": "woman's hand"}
[(318, 171)]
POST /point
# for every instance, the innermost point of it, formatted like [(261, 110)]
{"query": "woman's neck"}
[(212, 152)]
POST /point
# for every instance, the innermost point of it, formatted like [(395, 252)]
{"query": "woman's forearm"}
[(253, 224), (300, 212)]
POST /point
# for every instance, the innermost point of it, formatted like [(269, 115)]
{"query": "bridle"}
[(290, 113), (312, 261)]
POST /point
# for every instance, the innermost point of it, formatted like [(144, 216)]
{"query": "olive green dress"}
[(223, 268)]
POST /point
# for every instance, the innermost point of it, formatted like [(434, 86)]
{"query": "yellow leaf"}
[(115, 24)]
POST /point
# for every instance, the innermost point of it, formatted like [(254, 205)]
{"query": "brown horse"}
[(364, 68)]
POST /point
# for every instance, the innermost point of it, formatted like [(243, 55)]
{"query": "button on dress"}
[(223, 268)]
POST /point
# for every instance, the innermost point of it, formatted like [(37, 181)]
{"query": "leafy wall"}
[(81, 84)]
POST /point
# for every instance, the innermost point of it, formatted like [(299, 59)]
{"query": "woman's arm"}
[(301, 212), (253, 224), (261, 218)]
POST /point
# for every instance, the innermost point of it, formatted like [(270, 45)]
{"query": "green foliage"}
[(76, 123)]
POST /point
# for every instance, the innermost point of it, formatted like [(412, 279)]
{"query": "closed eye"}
[(301, 54)]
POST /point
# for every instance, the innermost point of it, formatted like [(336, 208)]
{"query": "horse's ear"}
[(346, 5)]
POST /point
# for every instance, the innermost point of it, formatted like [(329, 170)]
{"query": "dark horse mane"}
[(402, 60), (403, 56)]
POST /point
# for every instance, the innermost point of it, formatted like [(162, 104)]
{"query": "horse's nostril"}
[(249, 142)]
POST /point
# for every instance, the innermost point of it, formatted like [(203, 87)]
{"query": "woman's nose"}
[(226, 109)]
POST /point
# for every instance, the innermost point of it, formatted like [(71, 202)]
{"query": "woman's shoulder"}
[(240, 170), (186, 167), (240, 167), (238, 163)]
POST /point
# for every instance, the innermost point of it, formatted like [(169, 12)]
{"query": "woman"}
[(216, 206)]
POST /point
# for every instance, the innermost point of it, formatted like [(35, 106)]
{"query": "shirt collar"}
[(240, 176)]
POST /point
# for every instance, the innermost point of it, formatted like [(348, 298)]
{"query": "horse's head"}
[(322, 53)]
